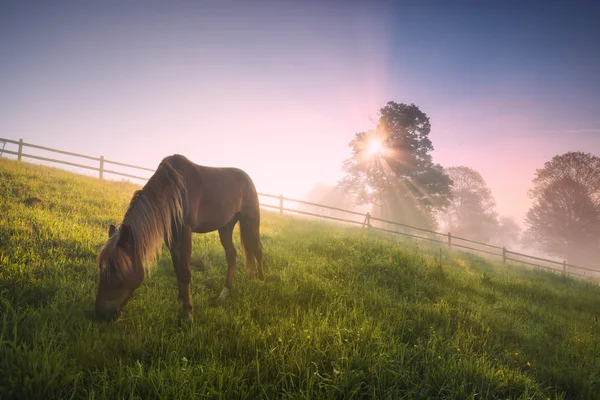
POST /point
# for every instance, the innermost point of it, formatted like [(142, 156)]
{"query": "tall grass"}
[(343, 313)]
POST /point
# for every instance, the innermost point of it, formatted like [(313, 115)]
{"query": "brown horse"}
[(180, 198)]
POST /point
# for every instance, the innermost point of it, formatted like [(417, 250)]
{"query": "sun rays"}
[(374, 147), (385, 159)]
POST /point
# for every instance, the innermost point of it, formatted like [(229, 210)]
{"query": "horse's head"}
[(121, 272)]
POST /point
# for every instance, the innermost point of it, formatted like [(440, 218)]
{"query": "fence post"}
[(564, 266), (20, 149), (449, 240), (280, 204), (101, 167), (367, 221), (504, 255)]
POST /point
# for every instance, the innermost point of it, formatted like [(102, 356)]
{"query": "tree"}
[(565, 217), (507, 233), (391, 167), (471, 212)]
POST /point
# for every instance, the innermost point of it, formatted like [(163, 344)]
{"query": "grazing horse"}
[(180, 198)]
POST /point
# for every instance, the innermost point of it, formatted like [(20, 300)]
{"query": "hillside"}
[(343, 313)]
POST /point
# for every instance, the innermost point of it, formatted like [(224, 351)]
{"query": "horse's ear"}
[(111, 230), (125, 237)]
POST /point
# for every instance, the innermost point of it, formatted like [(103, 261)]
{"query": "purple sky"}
[(279, 88)]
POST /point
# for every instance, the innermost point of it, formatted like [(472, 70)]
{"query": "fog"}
[(280, 88)]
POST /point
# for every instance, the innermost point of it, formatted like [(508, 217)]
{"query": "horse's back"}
[(184, 166), (215, 194)]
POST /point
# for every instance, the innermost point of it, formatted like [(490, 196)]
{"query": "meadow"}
[(343, 313)]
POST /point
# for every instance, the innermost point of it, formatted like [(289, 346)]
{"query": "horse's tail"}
[(250, 233), (251, 244)]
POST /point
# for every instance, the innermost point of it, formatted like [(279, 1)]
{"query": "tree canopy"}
[(565, 217), (391, 167)]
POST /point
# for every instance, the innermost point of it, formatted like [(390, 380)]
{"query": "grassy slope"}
[(343, 313)]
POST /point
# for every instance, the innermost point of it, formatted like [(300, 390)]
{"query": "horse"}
[(179, 199)]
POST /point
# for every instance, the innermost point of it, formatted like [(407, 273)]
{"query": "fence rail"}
[(101, 160), (366, 223)]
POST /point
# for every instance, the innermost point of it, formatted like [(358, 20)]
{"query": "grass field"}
[(343, 313)]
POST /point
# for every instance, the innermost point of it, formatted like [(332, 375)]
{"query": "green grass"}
[(343, 313)]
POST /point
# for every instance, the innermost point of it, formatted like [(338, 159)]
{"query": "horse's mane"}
[(153, 213)]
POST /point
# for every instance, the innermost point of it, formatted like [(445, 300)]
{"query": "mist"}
[(280, 88)]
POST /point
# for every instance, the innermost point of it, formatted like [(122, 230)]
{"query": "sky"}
[(279, 88)]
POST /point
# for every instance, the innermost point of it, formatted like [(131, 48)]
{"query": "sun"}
[(374, 147)]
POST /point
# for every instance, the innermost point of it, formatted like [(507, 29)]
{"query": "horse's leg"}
[(226, 236), (259, 260), (181, 251)]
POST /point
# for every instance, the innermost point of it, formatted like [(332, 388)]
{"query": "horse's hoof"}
[(224, 294)]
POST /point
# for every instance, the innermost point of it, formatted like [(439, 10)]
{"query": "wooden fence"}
[(366, 220), (101, 160)]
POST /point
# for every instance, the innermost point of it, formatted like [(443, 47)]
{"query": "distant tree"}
[(565, 218), (471, 212), (391, 168), (507, 233)]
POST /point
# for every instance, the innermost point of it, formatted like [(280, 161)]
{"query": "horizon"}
[(506, 87)]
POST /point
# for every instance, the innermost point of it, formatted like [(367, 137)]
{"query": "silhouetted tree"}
[(391, 167), (507, 233), (565, 217), (471, 213)]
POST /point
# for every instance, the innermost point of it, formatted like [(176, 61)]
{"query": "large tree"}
[(565, 217), (472, 210), (391, 167)]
